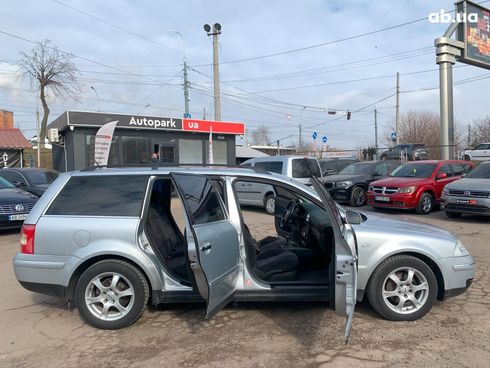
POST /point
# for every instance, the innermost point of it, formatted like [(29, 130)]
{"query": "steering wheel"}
[(286, 216)]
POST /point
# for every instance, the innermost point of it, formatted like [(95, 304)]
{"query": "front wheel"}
[(270, 204), (402, 288), (111, 294), (467, 158), (424, 207), (357, 197)]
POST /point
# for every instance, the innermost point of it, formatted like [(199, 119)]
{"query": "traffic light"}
[(348, 115)]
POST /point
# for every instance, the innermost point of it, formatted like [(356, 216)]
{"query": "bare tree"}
[(50, 70), (260, 136), (480, 131)]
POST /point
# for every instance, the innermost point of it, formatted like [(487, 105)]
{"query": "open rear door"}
[(213, 245), (345, 259)]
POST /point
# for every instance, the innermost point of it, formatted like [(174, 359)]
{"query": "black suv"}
[(414, 151), (351, 184), (334, 166)]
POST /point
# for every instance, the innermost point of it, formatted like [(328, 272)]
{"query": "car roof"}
[(436, 162), (279, 158), (27, 169)]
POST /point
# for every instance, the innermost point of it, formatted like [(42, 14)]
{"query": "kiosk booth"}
[(137, 138)]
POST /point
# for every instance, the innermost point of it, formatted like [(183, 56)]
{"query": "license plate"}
[(466, 201), (382, 199), (17, 217)]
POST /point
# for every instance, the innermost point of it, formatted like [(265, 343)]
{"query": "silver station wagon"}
[(113, 240)]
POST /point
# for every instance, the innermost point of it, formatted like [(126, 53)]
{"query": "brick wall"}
[(6, 119)]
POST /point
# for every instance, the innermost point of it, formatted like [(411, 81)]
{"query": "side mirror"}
[(377, 173), (441, 176), (353, 217), (19, 184)]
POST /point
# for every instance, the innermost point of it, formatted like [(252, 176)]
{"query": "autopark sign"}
[(76, 118)]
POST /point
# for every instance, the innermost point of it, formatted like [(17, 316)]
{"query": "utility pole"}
[(38, 129), (278, 148), (300, 138), (468, 143), (216, 30), (376, 133), (397, 116), (186, 91), (300, 141)]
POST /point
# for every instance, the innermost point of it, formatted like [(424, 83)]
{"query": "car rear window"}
[(271, 166), (100, 196), (41, 177), (305, 167), (482, 171)]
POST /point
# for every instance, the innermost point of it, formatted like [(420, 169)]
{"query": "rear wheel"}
[(384, 157), (270, 204), (424, 206), (111, 294), (402, 288), (453, 214), (357, 197)]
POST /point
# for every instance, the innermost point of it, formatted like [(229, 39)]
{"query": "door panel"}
[(345, 259), (213, 245)]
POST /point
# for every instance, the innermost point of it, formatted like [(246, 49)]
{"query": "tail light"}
[(27, 239)]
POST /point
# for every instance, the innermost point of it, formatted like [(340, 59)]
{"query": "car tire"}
[(384, 158), (270, 204), (453, 214), (357, 197), (424, 207), (98, 294), (398, 297)]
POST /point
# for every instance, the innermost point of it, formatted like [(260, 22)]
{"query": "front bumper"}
[(340, 194), (474, 206), (458, 274), (399, 201)]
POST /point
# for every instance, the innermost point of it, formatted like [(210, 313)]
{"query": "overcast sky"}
[(146, 77)]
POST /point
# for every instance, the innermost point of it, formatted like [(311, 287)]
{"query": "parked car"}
[(478, 153), (416, 185), (113, 251), (469, 195), (334, 166), (351, 184), (15, 204), (297, 167), (413, 151), (33, 180)]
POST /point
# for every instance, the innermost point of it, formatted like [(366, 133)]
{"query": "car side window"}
[(271, 166), (12, 176), (445, 169), (203, 203), (459, 169), (101, 196), (381, 169)]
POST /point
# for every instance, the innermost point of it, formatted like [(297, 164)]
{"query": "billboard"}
[(474, 31)]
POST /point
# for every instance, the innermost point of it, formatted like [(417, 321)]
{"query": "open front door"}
[(345, 259), (213, 245)]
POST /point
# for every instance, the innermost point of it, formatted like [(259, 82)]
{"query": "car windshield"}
[(5, 184), (304, 168), (480, 172), (414, 171), (357, 169), (40, 177)]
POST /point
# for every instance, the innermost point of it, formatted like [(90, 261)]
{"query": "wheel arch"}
[(424, 258), (82, 267)]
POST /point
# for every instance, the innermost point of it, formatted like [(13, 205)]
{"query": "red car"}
[(416, 185)]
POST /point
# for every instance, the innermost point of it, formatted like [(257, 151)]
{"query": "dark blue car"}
[(15, 205)]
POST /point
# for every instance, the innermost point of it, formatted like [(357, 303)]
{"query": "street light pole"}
[(216, 30), (98, 98), (186, 81)]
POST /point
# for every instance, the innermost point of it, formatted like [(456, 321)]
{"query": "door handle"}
[(206, 247)]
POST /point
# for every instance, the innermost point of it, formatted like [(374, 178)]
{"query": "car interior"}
[(302, 248)]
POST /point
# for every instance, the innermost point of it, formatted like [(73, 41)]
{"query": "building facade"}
[(136, 139)]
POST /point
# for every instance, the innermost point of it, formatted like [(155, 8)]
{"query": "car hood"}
[(389, 226), (470, 184), (399, 182), (15, 195), (338, 178)]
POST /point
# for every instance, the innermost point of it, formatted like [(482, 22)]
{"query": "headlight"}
[(407, 190), (445, 191), (460, 250), (343, 184)]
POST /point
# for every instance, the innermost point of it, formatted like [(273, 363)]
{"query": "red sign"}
[(219, 127)]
